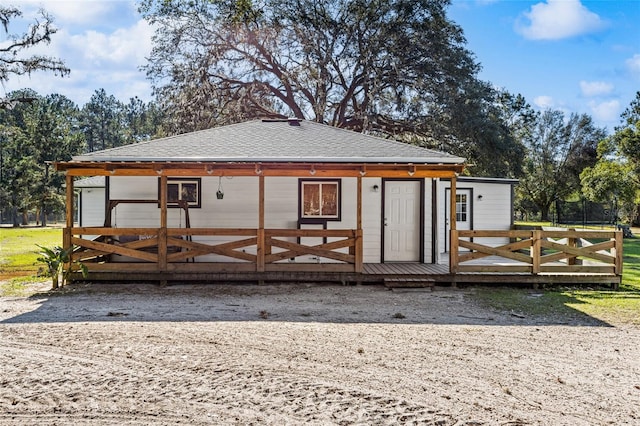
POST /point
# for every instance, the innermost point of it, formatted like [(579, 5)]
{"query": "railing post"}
[(261, 251), (358, 251), (536, 251), (619, 242), (453, 251), (571, 242)]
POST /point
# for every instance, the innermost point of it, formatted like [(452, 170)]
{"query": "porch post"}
[(453, 252), (358, 248), (261, 236), (162, 232), (66, 235)]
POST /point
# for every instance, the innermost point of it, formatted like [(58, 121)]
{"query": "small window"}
[(183, 189), (319, 200), (461, 207)]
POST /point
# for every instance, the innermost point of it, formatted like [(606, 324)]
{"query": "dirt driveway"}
[(110, 354)]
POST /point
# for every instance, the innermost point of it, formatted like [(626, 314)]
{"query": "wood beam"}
[(324, 170), (260, 261), (69, 213), (162, 232)]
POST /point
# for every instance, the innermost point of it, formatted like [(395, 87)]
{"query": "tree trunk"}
[(544, 211)]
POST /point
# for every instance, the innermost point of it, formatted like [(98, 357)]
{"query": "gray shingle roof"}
[(273, 141)]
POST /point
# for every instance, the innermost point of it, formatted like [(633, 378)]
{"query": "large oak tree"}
[(394, 68)]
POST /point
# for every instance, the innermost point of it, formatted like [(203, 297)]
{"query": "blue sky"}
[(574, 55)]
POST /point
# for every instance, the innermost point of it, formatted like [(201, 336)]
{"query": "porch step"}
[(411, 282)]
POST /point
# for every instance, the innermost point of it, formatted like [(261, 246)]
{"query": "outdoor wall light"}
[(376, 188), (480, 197), (220, 191)]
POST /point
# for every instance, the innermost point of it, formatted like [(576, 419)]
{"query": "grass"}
[(18, 253), (622, 306)]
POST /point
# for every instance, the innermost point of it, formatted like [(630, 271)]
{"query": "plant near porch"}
[(55, 259)]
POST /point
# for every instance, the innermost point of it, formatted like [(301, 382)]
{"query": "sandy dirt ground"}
[(318, 355)]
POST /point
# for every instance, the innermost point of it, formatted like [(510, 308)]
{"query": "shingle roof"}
[(90, 182), (273, 141)]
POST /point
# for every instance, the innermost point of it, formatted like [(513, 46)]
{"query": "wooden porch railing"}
[(537, 252), (247, 249)]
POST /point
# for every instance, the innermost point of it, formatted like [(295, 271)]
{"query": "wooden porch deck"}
[(392, 275), (272, 255)]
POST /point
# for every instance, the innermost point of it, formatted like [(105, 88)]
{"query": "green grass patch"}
[(18, 250), (615, 307)]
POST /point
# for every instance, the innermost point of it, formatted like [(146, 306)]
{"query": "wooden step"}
[(409, 282)]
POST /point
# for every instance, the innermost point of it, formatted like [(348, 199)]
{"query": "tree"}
[(389, 67), (626, 139), (557, 152), (33, 134), (102, 121), (55, 132), (612, 182), (616, 176), (13, 60), (492, 132), (141, 120)]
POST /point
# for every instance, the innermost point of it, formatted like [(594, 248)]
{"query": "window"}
[(319, 200), (461, 207), (182, 189)]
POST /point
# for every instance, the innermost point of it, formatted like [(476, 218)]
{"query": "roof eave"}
[(394, 160)]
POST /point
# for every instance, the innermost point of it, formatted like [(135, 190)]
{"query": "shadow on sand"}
[(284, 302)]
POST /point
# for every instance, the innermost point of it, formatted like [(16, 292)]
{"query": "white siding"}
[(92, 207), (491, 208), (239, 208)]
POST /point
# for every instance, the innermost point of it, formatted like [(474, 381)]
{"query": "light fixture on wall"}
[(220, 191), (412, 171), (376, 188), (363, 172), (258, 169), (209, 169), (312, 172), (480, 197)]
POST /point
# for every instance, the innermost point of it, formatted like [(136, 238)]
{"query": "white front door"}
[(463, 212), (402, 221)]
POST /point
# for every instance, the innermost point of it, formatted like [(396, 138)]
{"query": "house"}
[(266, 199)]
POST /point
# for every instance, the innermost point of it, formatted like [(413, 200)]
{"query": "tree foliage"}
[(109, 123), (53, 128), (393, 68), (557, 152), (14, 59), (616, 176), (31, 135)]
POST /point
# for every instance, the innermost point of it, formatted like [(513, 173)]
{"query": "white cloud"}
[(109, 60), (607, 111), (633, 65), (67, 12), (558, 19), (124, 46), (544, 102), (595, 88)]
